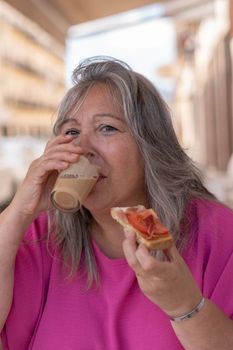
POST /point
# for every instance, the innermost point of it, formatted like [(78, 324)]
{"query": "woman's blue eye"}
[(108, 128), (72, 132)]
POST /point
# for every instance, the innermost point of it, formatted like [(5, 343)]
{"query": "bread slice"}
[(157, 239)]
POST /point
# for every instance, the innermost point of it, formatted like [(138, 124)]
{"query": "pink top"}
[(50, 312)]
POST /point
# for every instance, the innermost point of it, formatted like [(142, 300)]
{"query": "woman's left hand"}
[(169, 283)]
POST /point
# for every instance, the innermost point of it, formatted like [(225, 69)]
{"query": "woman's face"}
[(105, 139)]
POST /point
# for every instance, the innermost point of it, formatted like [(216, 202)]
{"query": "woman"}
[(83, 283)]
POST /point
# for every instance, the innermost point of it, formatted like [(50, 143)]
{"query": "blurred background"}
[(184, 47)]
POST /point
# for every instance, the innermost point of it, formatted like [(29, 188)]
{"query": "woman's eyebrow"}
[(68, 120), (114, 116), (97, 115)]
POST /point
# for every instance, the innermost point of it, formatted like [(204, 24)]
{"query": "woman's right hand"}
[(33, 195)]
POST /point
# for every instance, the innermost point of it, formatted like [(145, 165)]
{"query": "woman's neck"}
[(108, 235)]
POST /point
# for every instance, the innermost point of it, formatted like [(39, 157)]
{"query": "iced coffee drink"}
[(73, 185)]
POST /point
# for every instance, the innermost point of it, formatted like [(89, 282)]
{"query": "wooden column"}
[(231, 17), (222, 105)]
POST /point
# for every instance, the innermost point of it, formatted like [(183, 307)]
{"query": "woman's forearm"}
[(12, 228), (209, 329)]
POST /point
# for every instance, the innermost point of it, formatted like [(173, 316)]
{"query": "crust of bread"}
[(156, 244), (161, 243)]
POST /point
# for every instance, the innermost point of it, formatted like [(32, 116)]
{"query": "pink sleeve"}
[(32, 265), (211, 256), (222, 294)]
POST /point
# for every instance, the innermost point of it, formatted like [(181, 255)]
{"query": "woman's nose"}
[(85, 141)]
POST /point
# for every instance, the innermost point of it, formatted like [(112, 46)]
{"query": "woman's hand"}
[(169, 283), (33, 195)]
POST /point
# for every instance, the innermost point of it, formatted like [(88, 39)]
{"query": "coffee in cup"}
[(73, 185)]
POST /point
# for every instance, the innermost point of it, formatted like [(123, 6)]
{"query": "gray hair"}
[(171, 177)]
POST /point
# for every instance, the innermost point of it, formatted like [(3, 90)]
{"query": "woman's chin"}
[(96, 204)]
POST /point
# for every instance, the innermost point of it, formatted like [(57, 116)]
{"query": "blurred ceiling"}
[(56, 16)]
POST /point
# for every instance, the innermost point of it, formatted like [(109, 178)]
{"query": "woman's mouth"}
[(101, 177)]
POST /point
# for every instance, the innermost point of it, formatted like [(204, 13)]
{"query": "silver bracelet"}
[(189, 314)]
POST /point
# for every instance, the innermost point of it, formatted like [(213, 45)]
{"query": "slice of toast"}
[(159, 240)]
